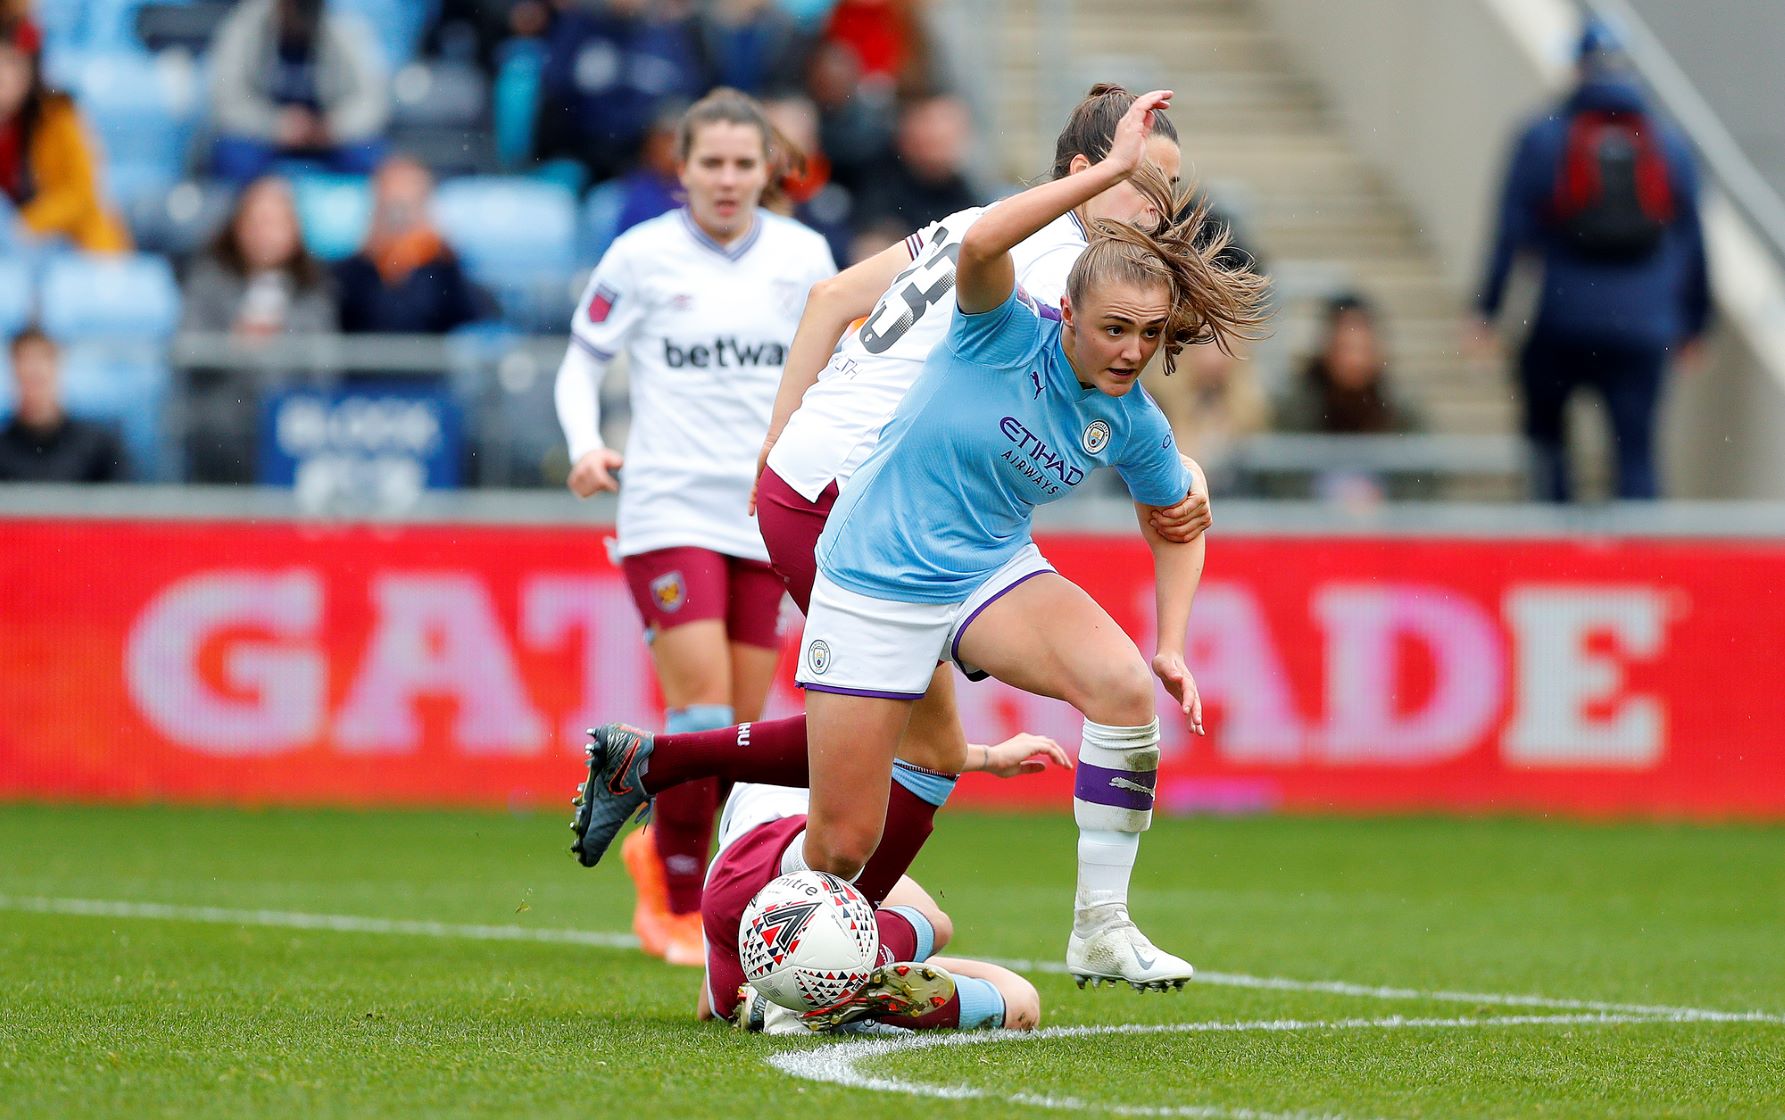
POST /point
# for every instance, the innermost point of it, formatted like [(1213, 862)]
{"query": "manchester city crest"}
[(818, 657), (1096, 437)]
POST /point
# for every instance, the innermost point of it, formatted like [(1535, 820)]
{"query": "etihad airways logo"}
[(1038, 462)]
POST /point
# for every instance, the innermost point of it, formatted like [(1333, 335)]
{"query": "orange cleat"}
[(687, 945), (650, 915)]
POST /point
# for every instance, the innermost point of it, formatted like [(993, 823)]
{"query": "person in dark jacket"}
[(1605, 196), (405, 279), (42, 443)]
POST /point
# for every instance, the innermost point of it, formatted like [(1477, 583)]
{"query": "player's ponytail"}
[(729, 106), (1091, 128), (1210, 302)]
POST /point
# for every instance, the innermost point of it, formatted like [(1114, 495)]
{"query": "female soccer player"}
[(847, 401), (705, 300), (912, 987), (927, 554)]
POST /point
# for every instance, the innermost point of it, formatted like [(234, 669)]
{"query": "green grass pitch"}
[(183, 1001)]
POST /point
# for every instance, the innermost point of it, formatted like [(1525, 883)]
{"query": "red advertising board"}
[(296, 663)]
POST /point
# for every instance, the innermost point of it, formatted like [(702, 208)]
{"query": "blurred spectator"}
[(927, 179), (607, 69), (753, 46), (291, 79), (474, 30), (1345, 389), (1213, 403), (855, 121), (47, 169), (1605, 196), (256, 279), (889, 42), (405, 279), (653, 187), (815, 200), (42, 443)]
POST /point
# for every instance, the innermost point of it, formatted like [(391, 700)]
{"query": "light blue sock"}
[(926, 933), (982, 1005), (697, 717)]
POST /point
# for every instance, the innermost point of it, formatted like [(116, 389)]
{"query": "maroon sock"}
[(909, 821), (946, 1017), (898, 937), (682, 824), (772, 752)]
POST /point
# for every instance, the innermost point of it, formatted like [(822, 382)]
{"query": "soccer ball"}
[(808, 940)]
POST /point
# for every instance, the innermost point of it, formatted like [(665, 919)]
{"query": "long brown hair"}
[(1211, 301), (1091, 127), (305, 270), (782, 156)]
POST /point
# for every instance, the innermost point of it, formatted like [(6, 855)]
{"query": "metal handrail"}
[(1733, 171)]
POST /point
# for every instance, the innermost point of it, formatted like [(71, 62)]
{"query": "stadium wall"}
[(1494, 664), (1432, 94)]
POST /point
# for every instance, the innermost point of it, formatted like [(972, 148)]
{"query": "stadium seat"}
[(145, 110), (439, 95), (600, 221), (180, 220), (397, 25), (132, 296), (16, 296), (517, 237), (128, 391), (334, 211)]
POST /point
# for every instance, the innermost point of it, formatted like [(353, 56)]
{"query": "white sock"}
[(1105, 862), (793, 857)]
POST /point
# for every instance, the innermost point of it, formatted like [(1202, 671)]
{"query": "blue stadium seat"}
[(17, 296), (334, 211), (396, 24), (145, 109), (600, 220), (132, 296), (517, 237), (127, 391)]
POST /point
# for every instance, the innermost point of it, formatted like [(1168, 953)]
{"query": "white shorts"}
[(861, 646)]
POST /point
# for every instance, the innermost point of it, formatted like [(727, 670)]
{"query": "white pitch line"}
[(838, 1064), (352, 923)]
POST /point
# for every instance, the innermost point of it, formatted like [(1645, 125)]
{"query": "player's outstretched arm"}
[(1020, 754), (831, 305), (1177, 570), (984, 275)]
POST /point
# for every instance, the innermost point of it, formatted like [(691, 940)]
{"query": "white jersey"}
[(839, 422), (752, 805), (706, 328)]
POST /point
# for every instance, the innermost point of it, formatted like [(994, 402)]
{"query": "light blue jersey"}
[(996, 425)]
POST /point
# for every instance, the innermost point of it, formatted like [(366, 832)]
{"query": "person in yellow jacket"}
[(48, 167)]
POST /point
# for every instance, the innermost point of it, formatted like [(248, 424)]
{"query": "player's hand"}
[(1175, 675), (1128, 149), (594, 472), (1184, 522), (1019, 754)]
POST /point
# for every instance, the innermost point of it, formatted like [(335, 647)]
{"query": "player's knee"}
[(1119, 693), (943, 926), (1022, 1005), (842, 849)]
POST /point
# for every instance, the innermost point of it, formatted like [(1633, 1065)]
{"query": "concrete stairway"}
[(1256, 133)]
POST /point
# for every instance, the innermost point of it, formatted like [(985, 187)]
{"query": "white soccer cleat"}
[(1119, 953), (757, 1012)]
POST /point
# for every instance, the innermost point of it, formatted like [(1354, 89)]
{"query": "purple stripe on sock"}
[(1123, 789)]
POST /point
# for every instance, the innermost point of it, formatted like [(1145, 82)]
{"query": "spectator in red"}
[(889, 42), (47, 167)]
